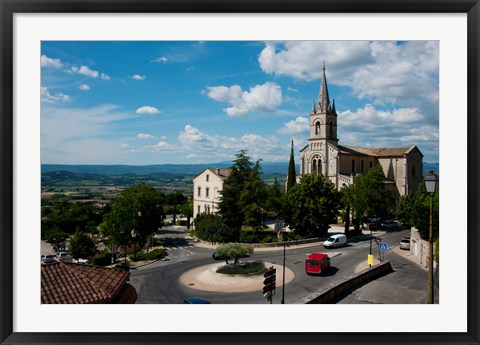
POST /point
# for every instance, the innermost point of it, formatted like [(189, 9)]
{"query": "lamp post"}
[(431, 184), (133, 233), (283, 282)]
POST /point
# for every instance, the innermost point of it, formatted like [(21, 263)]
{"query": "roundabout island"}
[(206, 278)]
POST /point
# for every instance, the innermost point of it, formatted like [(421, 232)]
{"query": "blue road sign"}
[(382, 247)]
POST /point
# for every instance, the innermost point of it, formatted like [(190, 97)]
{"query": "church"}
[(402, 166)]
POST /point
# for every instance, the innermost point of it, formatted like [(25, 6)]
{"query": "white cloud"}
[(85, 70), (214, 146), (75, 135), (147, 110), (371, 117), (124, 146), (299, 125), (138, 77), (264, 98), (88, 72), (48, 97), (84, 87), (145, 136), (383, 71), (45, 61), (163, 146), (291, 89), (162, 59), (192, 135)]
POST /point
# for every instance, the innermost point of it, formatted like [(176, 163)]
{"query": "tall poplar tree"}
[(291, 177)]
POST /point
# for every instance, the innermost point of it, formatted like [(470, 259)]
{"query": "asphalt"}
[(393, 288)]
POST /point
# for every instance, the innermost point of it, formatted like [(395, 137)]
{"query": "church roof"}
[(378, 151)]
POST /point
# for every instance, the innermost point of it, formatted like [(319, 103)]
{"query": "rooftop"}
[(69, 283)]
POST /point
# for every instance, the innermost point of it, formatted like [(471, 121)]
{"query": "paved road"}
[(158, 282)]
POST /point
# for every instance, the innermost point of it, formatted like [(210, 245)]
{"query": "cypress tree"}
[(291, 177)]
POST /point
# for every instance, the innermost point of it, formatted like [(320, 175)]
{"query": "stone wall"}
[(343, 285), (419, 247)]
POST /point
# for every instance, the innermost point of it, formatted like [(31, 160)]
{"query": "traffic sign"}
[(378, 240), (382, 247)]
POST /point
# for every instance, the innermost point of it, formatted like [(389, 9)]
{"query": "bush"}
[(152, 255), (247, 268), (104, 259)]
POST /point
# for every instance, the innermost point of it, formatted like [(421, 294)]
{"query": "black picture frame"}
[(10, 7)]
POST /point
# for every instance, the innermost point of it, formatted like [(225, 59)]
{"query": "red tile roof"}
[(377, 152), (68, 283)]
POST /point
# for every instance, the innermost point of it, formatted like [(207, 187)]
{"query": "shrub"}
[(247, 268), (152, 255), (104, 259)]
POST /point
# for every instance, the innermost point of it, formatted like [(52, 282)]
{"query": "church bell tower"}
[(321, 153)]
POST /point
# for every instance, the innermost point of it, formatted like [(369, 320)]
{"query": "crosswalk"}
[(173, 248)]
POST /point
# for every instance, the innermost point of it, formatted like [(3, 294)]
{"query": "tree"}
[(253, 198), (187, 211), (230, 207), (311, 205), (234, 251), (138, 208), (292, 174), (210, 227), (81, 245), (367, 196), (415, 210), (54, 236), (175, 200), (274, 198)]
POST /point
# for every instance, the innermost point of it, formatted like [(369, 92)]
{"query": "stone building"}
[(402, 166), (206, 187)]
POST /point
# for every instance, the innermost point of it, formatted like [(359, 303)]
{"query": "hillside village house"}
[(206, 187), (402, 166)]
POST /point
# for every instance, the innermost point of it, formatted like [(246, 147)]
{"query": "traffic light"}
[(270, 279)]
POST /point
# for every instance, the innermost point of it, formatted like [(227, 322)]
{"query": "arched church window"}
[(314, 166), (317, 128), (331, 128)]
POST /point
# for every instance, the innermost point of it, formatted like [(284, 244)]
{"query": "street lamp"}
[(133, 233), (431, 184)]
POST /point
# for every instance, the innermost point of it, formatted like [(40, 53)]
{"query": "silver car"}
[(46, 258), (405, 243)]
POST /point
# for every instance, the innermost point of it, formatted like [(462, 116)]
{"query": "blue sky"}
[(201, 102)]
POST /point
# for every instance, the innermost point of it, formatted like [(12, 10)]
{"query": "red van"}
[(316, 263)]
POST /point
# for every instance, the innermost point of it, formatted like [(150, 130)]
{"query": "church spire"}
[(323, 99)]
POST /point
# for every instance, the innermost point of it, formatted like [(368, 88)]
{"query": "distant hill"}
[(268, 168), (427, 167), (173, 169)]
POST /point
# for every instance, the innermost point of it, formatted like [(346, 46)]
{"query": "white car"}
[(46, 258), (405, 243), (334, 241), (63, 256)]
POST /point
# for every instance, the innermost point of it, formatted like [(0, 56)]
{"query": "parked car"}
[(405, 243), (317, 263), (195, 300), (83, 261), (389, 225), (63, 256), (334, 241), (46, 258)]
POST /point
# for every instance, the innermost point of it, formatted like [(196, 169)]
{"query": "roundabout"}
[(206, 278)]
